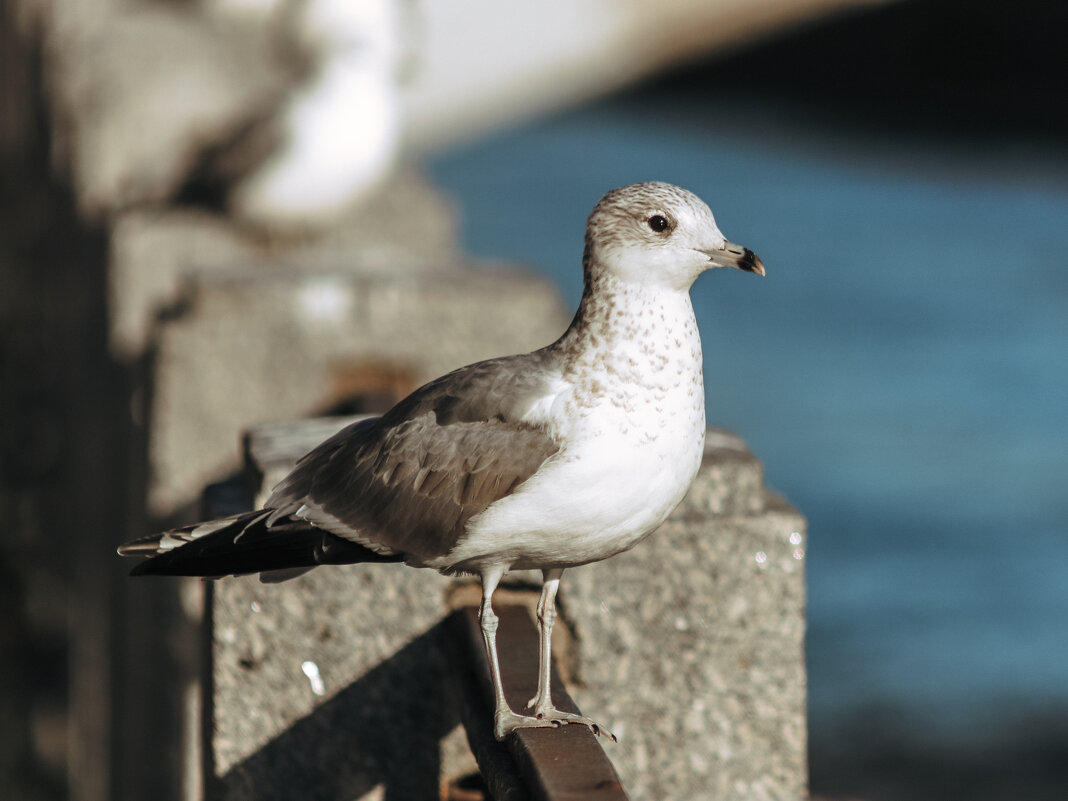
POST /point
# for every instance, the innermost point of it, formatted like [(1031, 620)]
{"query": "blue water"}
[(902, 372)]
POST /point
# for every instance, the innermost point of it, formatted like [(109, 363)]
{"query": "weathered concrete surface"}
[(155, 253), (375, 640), (689, 648), (143, 88)]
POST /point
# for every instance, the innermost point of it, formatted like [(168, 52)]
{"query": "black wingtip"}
[(248, 545)]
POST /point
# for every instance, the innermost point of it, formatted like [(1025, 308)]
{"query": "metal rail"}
[(552, 764)]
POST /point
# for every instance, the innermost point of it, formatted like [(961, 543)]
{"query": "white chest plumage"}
[(629, 414)]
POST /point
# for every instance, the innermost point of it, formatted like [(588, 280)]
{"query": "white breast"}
[(631, 423)]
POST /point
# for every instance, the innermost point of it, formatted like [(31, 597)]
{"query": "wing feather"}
[(408, 482)]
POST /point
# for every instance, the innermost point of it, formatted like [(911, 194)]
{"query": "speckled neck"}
[(632, 331)]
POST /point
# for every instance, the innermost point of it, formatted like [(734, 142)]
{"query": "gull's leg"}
[(543, 702), (504, 719), (546, 618)]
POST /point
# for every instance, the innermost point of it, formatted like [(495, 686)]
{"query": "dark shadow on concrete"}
[(90, 662), (385, 728)]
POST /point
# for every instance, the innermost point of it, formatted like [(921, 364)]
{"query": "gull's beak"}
[(732, 255)]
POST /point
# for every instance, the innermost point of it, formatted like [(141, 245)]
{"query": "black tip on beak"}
[(732, 255), (751, 263)]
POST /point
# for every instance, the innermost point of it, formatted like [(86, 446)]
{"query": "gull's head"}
[(658, 234)]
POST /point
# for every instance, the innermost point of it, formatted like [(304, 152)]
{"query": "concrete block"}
[(689, 647), (330, 686), (144, 90), (155, 254)]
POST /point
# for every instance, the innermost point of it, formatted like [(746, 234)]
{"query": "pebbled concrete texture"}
[(382, 709), (689, 648)]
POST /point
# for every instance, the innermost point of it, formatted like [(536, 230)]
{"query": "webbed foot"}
[(556, 717), (507, 721)]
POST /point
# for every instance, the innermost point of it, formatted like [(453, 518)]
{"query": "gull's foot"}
[(508, 721), (549, 717), (554, 716)]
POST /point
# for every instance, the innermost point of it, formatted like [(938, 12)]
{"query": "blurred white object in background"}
[(339, 131), (485, 64), (293, 111), (480, 64)]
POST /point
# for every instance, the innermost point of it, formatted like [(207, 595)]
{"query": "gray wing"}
[(409, 481)]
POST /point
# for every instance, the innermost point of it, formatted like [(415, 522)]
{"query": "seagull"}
[(541, 461)]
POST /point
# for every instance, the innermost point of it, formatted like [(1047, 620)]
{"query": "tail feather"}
[(245, 544)]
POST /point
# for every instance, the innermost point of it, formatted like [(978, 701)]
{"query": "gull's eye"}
[(659, 223)]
